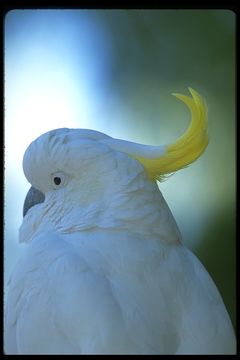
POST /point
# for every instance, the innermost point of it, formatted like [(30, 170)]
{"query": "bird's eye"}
[(59, 179)]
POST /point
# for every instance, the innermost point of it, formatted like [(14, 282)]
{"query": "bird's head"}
[(85, 169)]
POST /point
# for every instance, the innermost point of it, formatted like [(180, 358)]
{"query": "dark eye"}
[(57, 180)]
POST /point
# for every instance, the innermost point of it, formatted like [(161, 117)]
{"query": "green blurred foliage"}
[(220, 235)]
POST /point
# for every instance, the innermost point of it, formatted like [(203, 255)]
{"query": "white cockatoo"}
[(104, 270)]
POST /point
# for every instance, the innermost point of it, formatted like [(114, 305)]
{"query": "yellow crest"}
[(187, 148)]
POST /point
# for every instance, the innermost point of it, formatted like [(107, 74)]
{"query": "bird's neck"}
[(141, 208)]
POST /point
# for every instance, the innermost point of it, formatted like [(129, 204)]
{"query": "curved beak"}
[(33, 197)]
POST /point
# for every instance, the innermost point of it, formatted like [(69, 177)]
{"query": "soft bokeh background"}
[(114, 71)]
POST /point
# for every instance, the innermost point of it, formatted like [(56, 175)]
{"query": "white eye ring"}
[(59, 179)]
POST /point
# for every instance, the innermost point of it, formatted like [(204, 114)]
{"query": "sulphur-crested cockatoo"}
[(104, 270)]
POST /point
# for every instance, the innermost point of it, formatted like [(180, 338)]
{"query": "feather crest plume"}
[(188, 148)]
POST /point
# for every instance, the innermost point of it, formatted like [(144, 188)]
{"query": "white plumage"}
[(104, 270)]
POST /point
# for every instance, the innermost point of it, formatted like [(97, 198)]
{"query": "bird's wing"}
[(205, 324), (168, 301)]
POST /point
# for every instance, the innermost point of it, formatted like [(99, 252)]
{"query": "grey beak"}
[(33, 197)]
